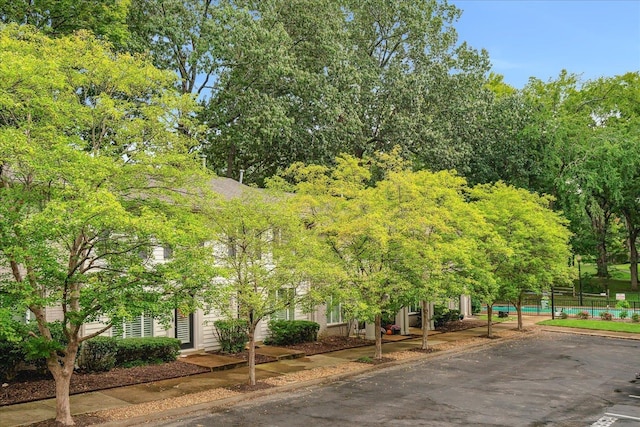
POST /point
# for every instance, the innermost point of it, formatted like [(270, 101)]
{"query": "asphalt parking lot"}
[(549, 379)]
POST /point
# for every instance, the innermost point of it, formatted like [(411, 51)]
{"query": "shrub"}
[(98, 354), (442, 315), (476, 306), (286, 332), (623, 314), (232, 334), (623, 304), (635, 318), (605, 315), (11, 354), (145, 351), (584, 315)]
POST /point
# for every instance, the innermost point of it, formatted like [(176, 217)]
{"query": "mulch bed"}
[(330, 343), (30, 386)]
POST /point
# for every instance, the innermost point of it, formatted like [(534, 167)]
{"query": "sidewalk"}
[(124, 399)]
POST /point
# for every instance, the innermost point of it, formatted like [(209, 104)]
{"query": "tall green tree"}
[(443, 233), (107, 19), (415, 84), (613, 105), (369, 247), (536, 238), (259, 69), (90, 168), (268, 261), (286, 81)]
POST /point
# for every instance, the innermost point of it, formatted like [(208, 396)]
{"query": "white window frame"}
[(128, 329), (334, 310), (288, 313)]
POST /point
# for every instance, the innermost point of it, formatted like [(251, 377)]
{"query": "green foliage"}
[(594, 324), (605, 315), (144, 351), (37, 348), (623, 314), (564, 315), (535, 236), (11, 354), (635, 317), (232, 334), (98, 354), (583, 315), (286, 332), (90, 158), (623, 304), (105, 18), (443, 315), (476, 305)]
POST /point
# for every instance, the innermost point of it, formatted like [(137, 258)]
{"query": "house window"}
[(24, 317), (334, 311), (138, 327), (414, 308), (285, 295)]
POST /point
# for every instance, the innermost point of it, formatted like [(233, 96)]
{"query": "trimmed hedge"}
[(232, 334), (442, 315), (98, 354), (145, 351), (105, 353), (286, 332), (11, 354)]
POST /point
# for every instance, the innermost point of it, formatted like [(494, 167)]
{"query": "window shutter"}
[(147, 326), (182, 329)]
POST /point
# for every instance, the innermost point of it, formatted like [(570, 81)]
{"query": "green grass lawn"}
[(599, 325), (494, 318), (617, 271), (619, 282)]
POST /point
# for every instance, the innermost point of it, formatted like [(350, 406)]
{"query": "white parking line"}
[(604, 422), (634, 396), (626, 417)]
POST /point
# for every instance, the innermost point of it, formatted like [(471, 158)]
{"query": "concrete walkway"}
[(27, 413)]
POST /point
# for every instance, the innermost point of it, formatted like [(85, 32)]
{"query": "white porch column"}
[(402, 320)]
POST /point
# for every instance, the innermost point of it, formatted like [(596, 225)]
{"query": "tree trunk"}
[(600, 224), (633, 251), (519, 311), (489, 323), (62, 376), (633, 261), (231, 159), (252, 354), (601, 260), (378, 327), (424, 323)]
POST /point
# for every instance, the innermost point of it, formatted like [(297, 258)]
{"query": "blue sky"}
[(527, 38)]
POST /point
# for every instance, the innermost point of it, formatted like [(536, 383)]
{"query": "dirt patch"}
[(82, 420), (244, 355), (460, 325), (428, 350), (328, 344), (244, 388), (372, 361)]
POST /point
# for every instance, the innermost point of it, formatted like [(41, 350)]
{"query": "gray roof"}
[(230, 188)]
